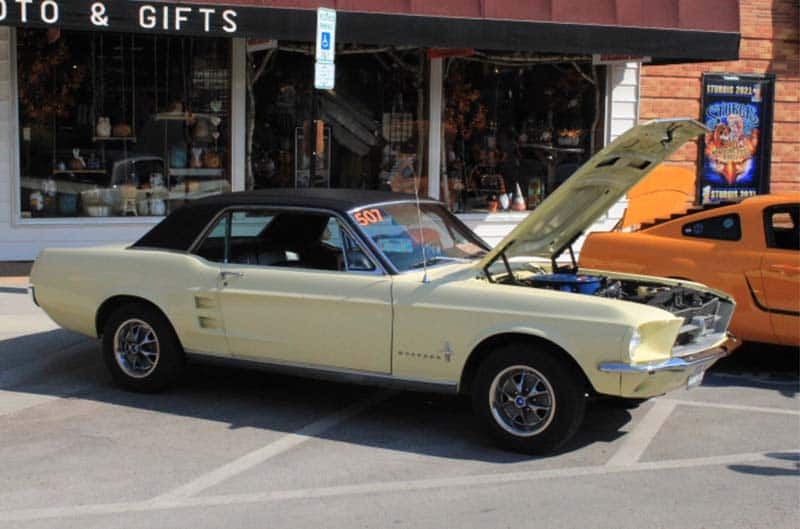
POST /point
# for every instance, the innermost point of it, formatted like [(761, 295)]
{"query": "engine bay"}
[(679, 300)]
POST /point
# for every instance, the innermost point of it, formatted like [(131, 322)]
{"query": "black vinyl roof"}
[(181, 227), (341, 200)]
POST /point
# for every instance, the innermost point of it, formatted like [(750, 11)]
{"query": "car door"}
[(780, 271), (297, 288)]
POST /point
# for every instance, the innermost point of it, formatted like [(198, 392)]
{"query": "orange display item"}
[(750, 250), (666, 190)]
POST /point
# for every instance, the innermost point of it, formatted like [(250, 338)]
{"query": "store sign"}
[(122, 16), (735, 155)]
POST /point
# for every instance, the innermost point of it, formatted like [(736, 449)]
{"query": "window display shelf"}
[(196, 172), (183, 116), (131, 139), (79, 171)]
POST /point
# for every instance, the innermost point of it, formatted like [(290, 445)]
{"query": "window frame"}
[(228, 211), (713, 217), (769, 232)]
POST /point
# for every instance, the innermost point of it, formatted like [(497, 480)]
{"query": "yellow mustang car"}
[(385, 289)]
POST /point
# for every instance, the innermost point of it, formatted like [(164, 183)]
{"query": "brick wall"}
[(769, 44)]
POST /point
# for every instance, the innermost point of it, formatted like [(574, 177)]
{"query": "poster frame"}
[(763, 150)]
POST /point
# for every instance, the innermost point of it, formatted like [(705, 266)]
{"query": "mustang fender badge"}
[(447, 352)]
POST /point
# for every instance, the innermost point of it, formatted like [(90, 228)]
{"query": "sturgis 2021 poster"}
[(734, 158)]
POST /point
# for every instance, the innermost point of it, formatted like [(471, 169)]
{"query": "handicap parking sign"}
[(326, 35)]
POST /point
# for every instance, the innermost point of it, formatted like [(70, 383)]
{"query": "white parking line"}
[(271, 450), (392, 487), (738, 407), (643, 433)]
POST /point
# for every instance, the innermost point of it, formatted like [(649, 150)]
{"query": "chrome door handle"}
[(225, 275)]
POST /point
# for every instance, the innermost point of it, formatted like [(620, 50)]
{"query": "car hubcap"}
[(136, 348), (522, 401)]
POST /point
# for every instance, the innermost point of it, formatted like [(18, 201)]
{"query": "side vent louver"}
[(208, 323), (202, 302)]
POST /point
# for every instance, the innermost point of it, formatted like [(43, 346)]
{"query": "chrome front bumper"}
[(650, 380), (674, 364)]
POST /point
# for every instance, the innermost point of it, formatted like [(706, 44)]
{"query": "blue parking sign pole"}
[(324, 76)]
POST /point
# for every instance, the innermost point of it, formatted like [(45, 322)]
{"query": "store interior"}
[(516, 127), (115, 124)]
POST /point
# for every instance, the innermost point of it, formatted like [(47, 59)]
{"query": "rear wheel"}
[(140, 348), (530, 400)]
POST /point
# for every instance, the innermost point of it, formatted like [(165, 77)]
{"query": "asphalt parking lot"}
[(238, 448)]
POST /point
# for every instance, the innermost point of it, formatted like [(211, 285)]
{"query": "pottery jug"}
[(103, 129), (122, 130), (177, 157), (196, 162), (158, 207), (93, 162), (77, 163), (36, 201), (202, 131), (212, 160)]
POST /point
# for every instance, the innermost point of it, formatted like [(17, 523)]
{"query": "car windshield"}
[(412, 238)]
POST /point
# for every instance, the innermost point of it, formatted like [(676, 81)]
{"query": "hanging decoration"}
[(49, 79)]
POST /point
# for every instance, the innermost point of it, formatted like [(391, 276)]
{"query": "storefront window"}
[(371, 131), (512, 134), (118, 124)]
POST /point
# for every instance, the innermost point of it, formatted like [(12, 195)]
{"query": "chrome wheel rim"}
[(136, 348), (522, 401)]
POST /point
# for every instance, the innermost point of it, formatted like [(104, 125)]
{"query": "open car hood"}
[(594, 188)]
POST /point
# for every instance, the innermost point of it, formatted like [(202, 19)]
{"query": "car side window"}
[(213, 248), (722, 228), (296, 239), (355, 260), (781, 226)]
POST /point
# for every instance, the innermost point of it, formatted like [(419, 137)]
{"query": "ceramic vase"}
[(103, 128), (196, 161)]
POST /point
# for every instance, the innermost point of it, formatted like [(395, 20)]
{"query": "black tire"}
[(564, 390), (169, 358)]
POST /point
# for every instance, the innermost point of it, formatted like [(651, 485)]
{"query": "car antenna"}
[(421, 233)]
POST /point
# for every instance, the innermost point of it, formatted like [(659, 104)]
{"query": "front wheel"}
[(530, 400), (140, 348)]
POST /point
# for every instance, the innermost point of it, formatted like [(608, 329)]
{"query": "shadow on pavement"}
[(772, 471), (62, 364), (759, 366), (35, 353), (431, 424)]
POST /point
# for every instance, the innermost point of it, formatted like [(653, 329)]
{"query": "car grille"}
[(711, 318)]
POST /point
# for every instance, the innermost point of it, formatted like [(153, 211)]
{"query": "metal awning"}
[(665, 30)]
